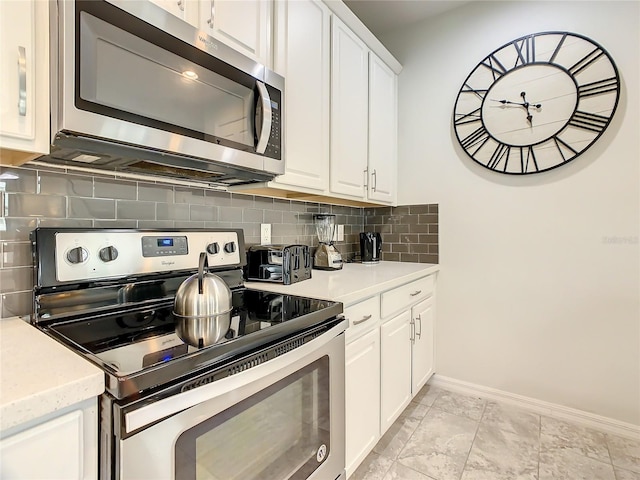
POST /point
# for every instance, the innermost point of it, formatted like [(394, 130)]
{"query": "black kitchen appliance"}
[(108, 295), (284, 264), (370, 247)]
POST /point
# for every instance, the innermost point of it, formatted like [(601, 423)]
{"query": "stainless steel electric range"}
[(265, 402)]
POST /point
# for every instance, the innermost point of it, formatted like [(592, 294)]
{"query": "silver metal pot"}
[(202, 307)]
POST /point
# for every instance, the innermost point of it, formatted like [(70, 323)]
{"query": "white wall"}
[(535, 295)]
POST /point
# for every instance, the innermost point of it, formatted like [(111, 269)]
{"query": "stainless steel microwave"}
[(136, 89)]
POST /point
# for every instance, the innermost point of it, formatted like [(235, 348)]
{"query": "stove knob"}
[(77, 255), (213, 248), (230, 247), (108, 254)]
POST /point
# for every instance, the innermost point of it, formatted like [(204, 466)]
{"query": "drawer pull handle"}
[(364, 319), (417, 292)]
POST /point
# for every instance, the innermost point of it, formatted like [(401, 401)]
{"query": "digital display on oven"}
[(164, 246)]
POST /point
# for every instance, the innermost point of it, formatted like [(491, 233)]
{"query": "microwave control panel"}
[(274, 146)]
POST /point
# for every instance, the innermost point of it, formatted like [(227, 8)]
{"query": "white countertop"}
[(355, 282), (39, 376)]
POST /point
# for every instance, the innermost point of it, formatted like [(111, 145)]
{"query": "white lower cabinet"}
[(362, 380), (389, 358), (395, 368), (63, 447), (422, 316)]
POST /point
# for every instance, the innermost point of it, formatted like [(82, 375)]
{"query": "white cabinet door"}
[(186, 10), (244, 25), (422, 349), (349, 111), (362, 392), (395, 359), (52, 450), (382, 131), (302, 55), (24, 76)]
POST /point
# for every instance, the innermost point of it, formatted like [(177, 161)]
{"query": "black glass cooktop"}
[(129, 343)]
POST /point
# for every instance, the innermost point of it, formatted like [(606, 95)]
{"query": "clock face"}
[(536, 103)]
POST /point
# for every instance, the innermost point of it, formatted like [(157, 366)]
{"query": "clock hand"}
[(507, 102), (526, 105)]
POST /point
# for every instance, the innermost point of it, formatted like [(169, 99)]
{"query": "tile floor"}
[(444, 435)]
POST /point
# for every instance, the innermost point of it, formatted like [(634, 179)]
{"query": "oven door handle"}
[(160, 409)]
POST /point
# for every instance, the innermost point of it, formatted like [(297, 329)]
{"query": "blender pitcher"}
[(326, 256)]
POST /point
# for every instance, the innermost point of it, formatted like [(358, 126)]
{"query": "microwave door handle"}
[(265, 121)]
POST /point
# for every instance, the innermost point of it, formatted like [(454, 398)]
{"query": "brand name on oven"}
[(208, 43), (167, 263)]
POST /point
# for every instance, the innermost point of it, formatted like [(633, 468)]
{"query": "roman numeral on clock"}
[(589, 121), (585, 61), (599, 87), (526, 50), (558, 47), (471, 117), (494, 65), (478, 137), (560, 145), (479, 93), (527, 155), (501, 152)]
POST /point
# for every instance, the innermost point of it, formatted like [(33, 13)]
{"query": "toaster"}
[(284, 264)]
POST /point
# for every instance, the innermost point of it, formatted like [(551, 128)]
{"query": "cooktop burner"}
[(127, 343)]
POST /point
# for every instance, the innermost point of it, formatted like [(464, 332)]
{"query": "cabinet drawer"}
[(404, 296), (362, 316)]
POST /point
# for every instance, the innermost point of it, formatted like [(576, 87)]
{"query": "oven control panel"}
[(164, 245), (89, 255)]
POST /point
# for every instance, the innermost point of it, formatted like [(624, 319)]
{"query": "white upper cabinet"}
[(244, 25), (302, 55), (24, 80), (382, 131), (187, 10), (363, 120), (349, 111)]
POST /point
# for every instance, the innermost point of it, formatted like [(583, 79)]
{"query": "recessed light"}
[(190, 74)]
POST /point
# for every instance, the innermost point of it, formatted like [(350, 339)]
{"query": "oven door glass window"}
[(281, 432)]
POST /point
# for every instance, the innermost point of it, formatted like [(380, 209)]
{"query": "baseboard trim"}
[(581, 417)]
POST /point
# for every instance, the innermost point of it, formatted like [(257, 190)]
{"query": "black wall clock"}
[(536, 103)]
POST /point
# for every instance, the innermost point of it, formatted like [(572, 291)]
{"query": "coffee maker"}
[(326, 256), (370, 247)]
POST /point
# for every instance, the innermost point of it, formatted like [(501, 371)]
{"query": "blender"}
[(326, 256)]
